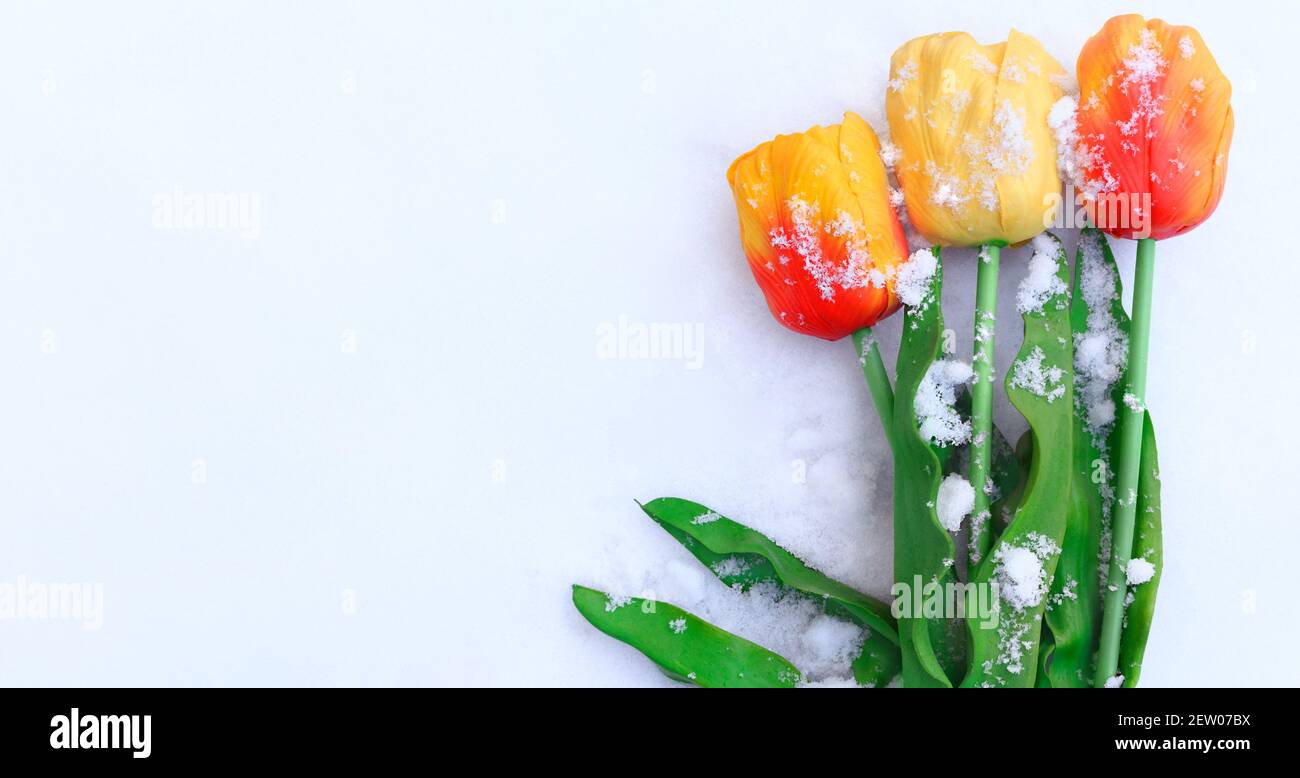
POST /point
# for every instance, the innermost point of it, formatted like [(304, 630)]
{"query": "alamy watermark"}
[(627, 339), (1128, 212), (234, 211), (26, 600), (949, 600)]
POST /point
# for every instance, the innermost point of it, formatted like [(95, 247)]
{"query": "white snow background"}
[(376, 443)]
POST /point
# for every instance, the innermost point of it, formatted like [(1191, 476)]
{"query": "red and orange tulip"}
[(819, 231), (1153, 128)]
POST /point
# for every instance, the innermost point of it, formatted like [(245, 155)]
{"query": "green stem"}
[(1128, 463), (981, 397), (873, 368)]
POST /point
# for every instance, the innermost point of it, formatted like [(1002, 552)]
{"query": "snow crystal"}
[(1143, 68), (1030, 374), (890, 154), (913, 280), (730, 567), (1011, 151), (977, 525), (1139, 571), (1186, 47), (1071, 159), (788, 623), (955, 501), (1042, 283), (616, 601), (828, 642), (678, 626), (851, 271), (1134, 404), (1020, 571), (706, 518), (1021, 575), (980, 62), (1004, 150), (1115, 682), (906, 73), (1101, 351), (936, 397)]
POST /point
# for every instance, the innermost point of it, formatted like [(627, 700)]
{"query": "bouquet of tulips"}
[(1028, 565)]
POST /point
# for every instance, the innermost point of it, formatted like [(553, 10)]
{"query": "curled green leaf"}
[(1023, 561), (685, 647), (933, 651), (742, 557), (1146, 546), (1100, 330)]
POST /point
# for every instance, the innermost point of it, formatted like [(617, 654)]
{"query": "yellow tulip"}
[(975, 156)]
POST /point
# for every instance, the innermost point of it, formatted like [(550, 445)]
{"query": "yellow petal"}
[(977, 161)]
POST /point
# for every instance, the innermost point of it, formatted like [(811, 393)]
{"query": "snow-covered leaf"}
[(742, 557), (1024, 559), (685, 647), (933, 649)]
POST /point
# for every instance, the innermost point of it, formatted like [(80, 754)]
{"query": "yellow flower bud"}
[(975, 156)]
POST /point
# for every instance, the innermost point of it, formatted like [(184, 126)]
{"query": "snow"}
[(1139, 571), (1035, 375), (1115, 682), (471, 192), (1021, 574), (792, 625), (889, 153), (1071, 156), (1004, 149), (914, 276), (1019, 570), (936, 416), (955, 501), (848, 271), (1042, 282)]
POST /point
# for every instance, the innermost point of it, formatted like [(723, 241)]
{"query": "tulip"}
[(976, 158), (1149, 141), (822, 237), (1149, 145), (977, 162)]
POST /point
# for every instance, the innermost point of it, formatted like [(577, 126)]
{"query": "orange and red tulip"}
[(819, 231), (1153, 126)]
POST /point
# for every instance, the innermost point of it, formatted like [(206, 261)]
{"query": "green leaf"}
[(1146, 545), (933, 652), (741, 557), (1040, 387), (1075, 622), (684, 646), (1072, 621)]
